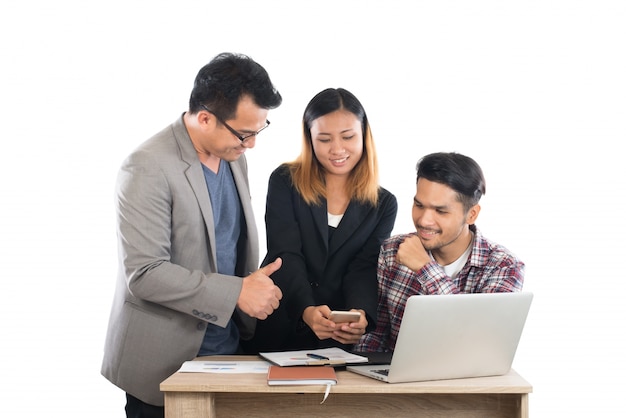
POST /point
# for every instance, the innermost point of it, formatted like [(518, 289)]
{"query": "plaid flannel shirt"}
[(490, 268)]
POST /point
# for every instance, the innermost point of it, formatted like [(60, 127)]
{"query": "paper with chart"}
[(211, 366)]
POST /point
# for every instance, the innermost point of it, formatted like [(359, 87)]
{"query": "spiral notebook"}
[(455, 336)]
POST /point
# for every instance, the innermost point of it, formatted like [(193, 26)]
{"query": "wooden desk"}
[(191, 395)]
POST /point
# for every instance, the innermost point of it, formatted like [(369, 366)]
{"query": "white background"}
[(533, 90)]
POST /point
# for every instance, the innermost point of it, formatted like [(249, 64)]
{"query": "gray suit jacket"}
[(167, 287)]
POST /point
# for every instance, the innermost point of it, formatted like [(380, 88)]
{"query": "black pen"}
[(316, 356)]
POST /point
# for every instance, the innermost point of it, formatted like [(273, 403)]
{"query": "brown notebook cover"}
[(301, 375)]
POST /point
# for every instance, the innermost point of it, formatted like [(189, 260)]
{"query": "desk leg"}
[(189, 405), (523, 407)]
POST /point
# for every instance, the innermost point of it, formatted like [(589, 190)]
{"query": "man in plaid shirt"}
[(447, 253)]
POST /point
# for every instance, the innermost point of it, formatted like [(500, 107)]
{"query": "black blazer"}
[(319, 269)]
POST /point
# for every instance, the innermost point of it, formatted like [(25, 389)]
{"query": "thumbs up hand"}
[(259, 296)]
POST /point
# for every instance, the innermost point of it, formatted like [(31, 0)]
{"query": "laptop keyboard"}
[(384, 372)]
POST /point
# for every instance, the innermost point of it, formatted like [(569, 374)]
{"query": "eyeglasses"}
[(242, 137)]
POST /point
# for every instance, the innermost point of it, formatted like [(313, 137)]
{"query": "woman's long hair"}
[(308, 175)]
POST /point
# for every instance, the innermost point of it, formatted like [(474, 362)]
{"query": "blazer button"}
[(315, 285), (200, 326)]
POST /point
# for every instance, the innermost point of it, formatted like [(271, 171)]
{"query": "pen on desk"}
[(316, 356)]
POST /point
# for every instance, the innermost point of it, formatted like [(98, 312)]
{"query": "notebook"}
[(454, 336)]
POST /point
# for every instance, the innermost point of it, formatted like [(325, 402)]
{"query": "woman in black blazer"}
[(326, 217)]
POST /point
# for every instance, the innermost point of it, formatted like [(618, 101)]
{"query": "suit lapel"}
[(352, 219), (320, 216), (195, 176)]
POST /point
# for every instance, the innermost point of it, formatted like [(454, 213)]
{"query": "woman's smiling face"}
[(337, 141)]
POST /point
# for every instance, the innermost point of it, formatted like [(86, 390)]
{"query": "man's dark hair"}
[(221, 83), (459, 172)]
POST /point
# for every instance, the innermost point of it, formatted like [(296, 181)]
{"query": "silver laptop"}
[(455, 336)]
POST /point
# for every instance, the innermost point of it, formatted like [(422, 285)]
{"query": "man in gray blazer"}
[(188, 282)]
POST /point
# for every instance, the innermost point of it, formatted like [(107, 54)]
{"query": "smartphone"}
[(344, 316)]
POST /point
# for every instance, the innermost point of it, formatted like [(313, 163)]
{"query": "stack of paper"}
[(301, 375)]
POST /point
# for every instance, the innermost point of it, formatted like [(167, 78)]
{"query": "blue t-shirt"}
[(227, 223)]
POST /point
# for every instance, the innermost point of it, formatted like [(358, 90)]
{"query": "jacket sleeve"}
[(284, 240), (162, 240), (359, 283)]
